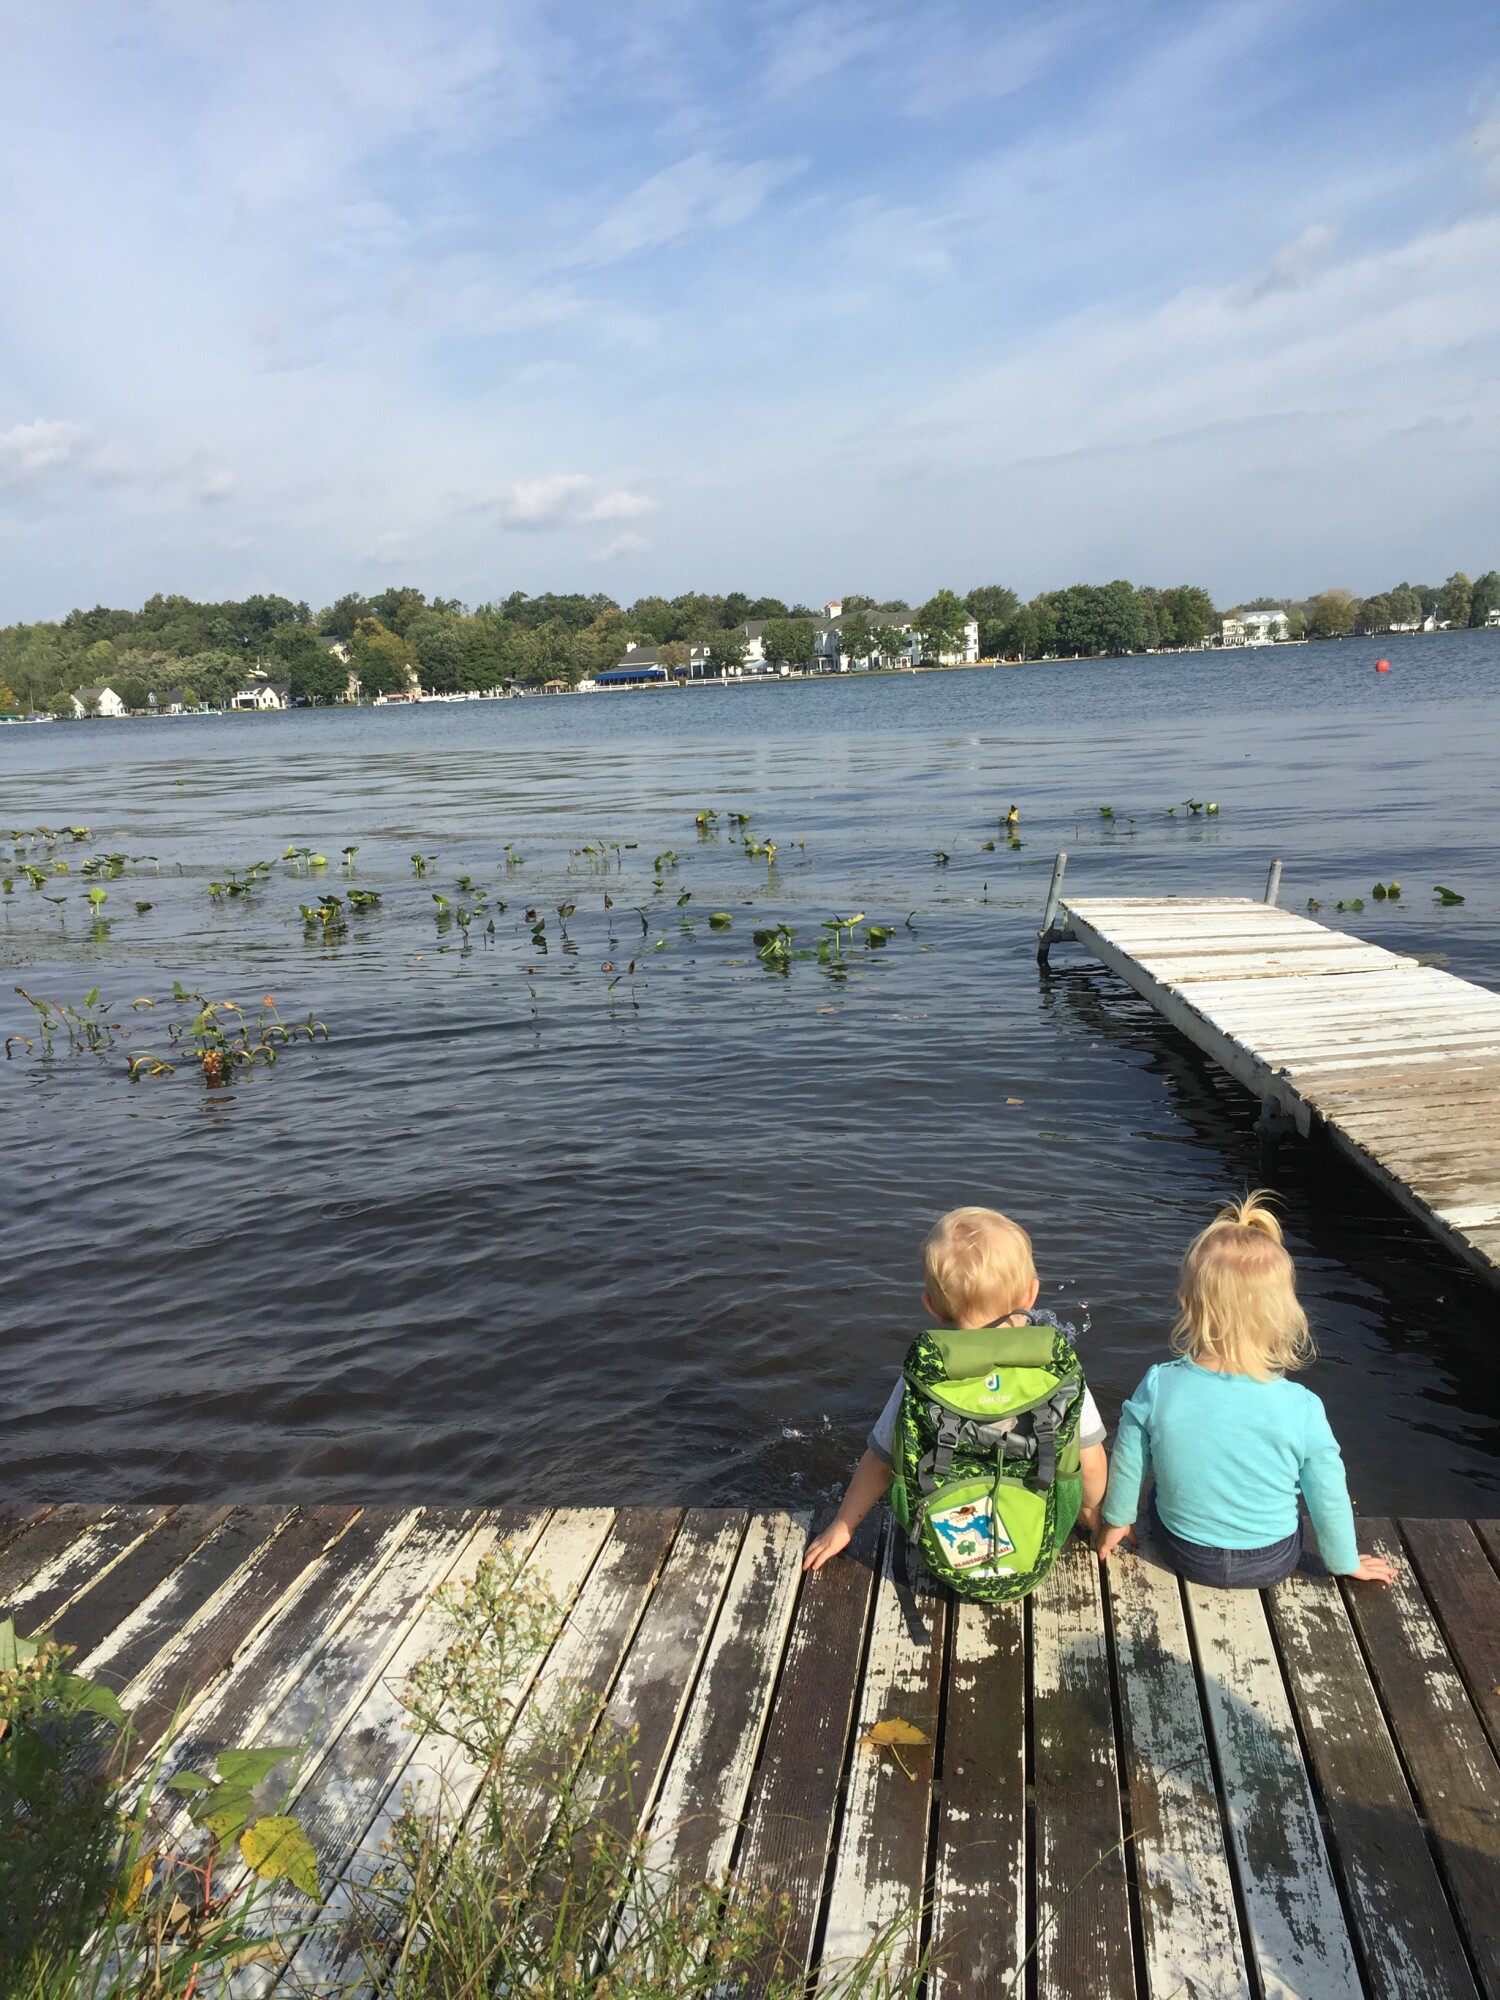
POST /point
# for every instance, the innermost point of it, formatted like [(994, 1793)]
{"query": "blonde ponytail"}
[(1238, 1295)]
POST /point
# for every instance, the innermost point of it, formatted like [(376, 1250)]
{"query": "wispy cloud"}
[(31, 448), (568, 500), (700, 192), (621, 546)]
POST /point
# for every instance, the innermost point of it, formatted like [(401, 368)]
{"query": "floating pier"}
[(1397, 1062), (1157, 1791)]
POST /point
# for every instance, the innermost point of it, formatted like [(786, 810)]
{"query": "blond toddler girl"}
[(1232, 1443)]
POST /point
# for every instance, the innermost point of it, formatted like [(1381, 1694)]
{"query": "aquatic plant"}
[(1446, 897), (86, 1026), (720, 920), (326, 916), (773, 946)]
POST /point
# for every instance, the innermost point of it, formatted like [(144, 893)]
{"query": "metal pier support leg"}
[(1273, 880), (1047, 934)]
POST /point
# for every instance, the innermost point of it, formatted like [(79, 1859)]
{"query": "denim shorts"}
[(1229, 1569)]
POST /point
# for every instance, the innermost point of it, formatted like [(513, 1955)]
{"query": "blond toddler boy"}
[(979, 1272)]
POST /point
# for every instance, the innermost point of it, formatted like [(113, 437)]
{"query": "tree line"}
[(206, 650), (1458, 602)]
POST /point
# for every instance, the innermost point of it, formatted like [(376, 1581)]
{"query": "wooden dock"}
[(1397, 1062), (1171, 1792)]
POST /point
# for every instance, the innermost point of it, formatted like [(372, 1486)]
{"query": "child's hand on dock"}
[(823, 1548), (1112, 1539), (1373, 1569)]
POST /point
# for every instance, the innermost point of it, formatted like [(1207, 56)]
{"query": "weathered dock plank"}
[(979, 1878), (1188, 1917), (1297, 1935), (790, 1815), (1442, 1742), (1083, 1929), (1405, 1931), (880, 1865)]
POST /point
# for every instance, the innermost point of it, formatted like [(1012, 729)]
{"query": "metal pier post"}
[(1048, 935)]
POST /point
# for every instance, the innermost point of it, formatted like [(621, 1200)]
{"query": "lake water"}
[(524, 1233)]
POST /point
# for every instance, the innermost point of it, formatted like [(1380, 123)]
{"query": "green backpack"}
[(986, 1471)]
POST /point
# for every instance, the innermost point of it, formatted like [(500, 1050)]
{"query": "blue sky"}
[(803, 299)]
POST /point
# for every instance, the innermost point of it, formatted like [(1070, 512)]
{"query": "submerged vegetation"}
[(570, 928), (218, 1037)]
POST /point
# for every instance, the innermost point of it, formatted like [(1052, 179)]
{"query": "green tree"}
[(941, 625), (1332, 612), (854, 636), (338, 620), (888, 642), (1486, 597), (132, 692), (1375, 614), (9, 702), (1406, 606), (1455, 599), (312, 673), (99, 663), (213, 674), (728, 650), (994, 606), (787, 639), (437, 639), (854, 602), (1192, 614), (381, 659), (674, 656), (397, 608), (60, 704)]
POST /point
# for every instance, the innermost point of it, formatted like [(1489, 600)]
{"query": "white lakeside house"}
[(1255, 628), (97, 701)]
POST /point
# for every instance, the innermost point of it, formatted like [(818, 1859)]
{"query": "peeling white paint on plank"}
[(880, 1860), (436, 1773), (1191, 1929), (702, 1799), (1297, 1934)]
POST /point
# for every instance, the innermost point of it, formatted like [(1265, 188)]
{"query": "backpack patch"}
[(972, 1533)]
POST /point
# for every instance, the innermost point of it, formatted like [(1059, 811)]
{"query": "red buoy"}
[(1382, 666)]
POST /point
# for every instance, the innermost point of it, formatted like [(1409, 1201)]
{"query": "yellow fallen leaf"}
[(1015, 1100), (140, 1875), (893, 1731)]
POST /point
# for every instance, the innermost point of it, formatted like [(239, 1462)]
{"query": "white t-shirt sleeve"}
[(882, 1438), (1090, 1425)]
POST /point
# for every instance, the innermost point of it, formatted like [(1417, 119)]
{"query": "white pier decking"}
[(1397, 1061)]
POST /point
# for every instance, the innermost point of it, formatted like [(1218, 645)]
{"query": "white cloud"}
[(27, 449), (1293, 263), (699, 192), (394, 545), (569, 499), (627, 544)]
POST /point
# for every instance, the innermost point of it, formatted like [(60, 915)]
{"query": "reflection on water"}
[(531, 1232)]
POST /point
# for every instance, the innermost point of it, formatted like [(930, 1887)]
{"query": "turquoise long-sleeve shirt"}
[(1230, 1456)]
